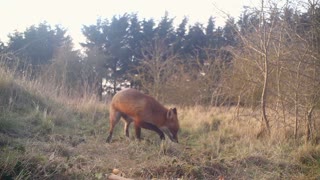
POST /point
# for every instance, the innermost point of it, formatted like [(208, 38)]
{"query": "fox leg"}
[(114, 119), (127, 121), (138, 130), (152, 127)]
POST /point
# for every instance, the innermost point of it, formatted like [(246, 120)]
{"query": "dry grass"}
[(48, 135)]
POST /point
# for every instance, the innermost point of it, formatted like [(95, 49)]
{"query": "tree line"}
[(267, 60)]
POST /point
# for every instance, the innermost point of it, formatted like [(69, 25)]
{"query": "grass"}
[(48, 136)]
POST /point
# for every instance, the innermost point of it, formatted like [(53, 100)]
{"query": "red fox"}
[(145, 112)]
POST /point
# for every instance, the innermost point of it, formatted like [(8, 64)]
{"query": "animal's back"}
[(128, 95), (129, 98), (134, 103)]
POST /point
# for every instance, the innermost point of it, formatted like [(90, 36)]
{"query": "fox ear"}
[(174, 111), (170, 113)]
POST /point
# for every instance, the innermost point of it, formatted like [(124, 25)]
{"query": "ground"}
[(44, 137)]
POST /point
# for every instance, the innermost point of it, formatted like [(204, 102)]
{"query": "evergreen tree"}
[(248, 22), (181, 37), (112, 40), (195, 42), (210, 35), (165, 33), (37, 45), (165, 29), (2, 46), (148, 32), (135, 38), (230, 33)]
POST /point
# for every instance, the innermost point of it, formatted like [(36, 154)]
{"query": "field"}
[(46, 136)]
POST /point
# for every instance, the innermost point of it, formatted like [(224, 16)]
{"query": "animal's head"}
[(173, 124)]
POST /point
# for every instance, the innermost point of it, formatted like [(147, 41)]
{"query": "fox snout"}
[(173, 137)]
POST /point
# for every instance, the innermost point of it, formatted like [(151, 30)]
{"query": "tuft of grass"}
[(309, 155), (18, 165)]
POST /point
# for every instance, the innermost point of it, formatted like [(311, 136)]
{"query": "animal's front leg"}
[(138, 131), (153, 128)]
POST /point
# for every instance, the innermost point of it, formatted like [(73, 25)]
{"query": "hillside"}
[(50, 137)]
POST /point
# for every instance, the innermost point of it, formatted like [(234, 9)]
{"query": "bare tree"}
[(259, 51), (156, 67)]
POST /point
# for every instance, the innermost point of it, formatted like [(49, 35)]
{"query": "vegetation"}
[(54, 138), (247, 96)]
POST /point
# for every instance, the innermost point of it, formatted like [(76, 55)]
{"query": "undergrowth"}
[(48, 136)]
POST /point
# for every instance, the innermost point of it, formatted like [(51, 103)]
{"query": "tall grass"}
[(42, 85), (47, 134), (216, 136), (33, 111)]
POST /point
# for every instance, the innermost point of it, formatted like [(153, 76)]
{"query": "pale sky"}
[(73, 14)]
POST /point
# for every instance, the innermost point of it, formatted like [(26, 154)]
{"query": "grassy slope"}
[(42, 137)]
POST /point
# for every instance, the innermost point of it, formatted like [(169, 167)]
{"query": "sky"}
[(17, 15)]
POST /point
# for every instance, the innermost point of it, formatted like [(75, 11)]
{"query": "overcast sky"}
[(73, 14)]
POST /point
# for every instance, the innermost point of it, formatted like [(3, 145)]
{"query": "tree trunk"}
[(309, 125), (264, 96), (296, 116), (296, 102), (265, 47)]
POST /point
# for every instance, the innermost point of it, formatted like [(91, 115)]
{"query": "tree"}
[(65, 72), (165, 30), (181, 31), (2, 47), (37, 44), (248, 22), (156, 67), (313, 39), (135, 38), (112, 40), (259, 44), (195, 42), (148, 32), (230, 33), (210, 34)]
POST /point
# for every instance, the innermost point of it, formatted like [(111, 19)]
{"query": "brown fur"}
[(145, 112)]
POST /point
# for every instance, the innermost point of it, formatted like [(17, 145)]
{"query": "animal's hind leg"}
[(114, 119), (127, 122)]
